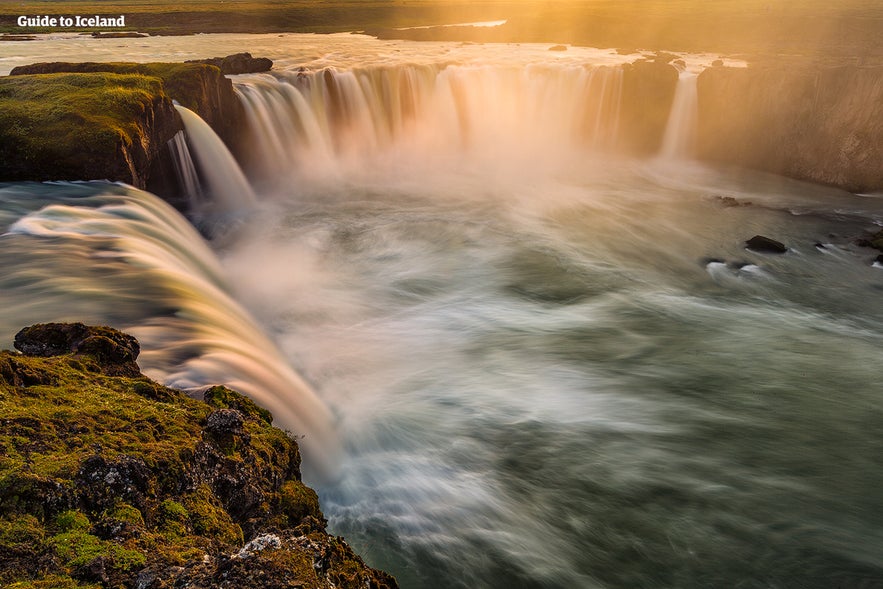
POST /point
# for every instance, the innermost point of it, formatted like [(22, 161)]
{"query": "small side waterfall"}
[(324, 119), (226, 182), (680, 133), (185, 170)]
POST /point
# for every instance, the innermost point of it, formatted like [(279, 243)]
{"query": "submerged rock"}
[(765, 245), (104, 483)]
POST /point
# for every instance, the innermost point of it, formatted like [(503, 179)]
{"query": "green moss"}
[(72, 521), (67, 119), (208, 518), (123, 512), (298, 501), (20, 533), (224, 398)]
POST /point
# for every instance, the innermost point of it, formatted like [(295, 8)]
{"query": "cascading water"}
[(328, 121), (185, 170), (114, 255), (226, 182), (680, 132), (548, 368)]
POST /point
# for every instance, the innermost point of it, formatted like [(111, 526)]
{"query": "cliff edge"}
[(111, 480)]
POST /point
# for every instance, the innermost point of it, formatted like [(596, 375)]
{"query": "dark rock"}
[(239, 63), (762, 244), (225, 421), (157, 503), (707, 261), (101, 482), (879, 260), (114, 351), (558, 48), (143, 159)]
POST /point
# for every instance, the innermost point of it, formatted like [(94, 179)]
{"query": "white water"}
[(329, 122), (108, 254), (680, 132), (540, 377), (226, 182), (185, 169)]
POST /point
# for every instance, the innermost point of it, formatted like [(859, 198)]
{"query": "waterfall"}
[(185, 170), (226, 182), (110, 254), (315, 120), (680, 132)]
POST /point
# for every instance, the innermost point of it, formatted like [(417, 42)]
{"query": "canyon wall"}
[(822, 124)]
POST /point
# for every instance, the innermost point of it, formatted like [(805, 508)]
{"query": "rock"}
[(101, 482), (648, 89), (729, 201), (811, 122), (879, 260), (88, 134), (126, 489), (762, 244), (239, 63), (558, 48), (225, 421), (114, 351)]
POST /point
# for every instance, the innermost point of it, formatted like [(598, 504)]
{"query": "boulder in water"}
[(765, 245)]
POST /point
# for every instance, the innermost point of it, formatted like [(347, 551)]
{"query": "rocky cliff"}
[(111, 480), (81, 121), (820, 123)]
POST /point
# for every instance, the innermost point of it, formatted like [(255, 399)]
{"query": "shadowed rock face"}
[(129, 109), (823, 124), (648, 89), (112, 480)]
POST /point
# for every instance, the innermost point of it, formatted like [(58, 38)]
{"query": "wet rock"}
[(558, 48), (762, 244)]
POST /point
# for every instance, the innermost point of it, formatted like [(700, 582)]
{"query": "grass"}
[(62, 122)]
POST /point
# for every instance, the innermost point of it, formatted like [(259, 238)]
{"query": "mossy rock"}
[(106, 479)]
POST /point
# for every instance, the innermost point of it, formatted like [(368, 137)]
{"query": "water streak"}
[(226, 182)]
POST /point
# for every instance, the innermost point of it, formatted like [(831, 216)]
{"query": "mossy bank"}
[(95, 121), (108, 479)]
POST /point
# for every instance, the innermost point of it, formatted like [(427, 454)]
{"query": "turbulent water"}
[(546, 367)]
